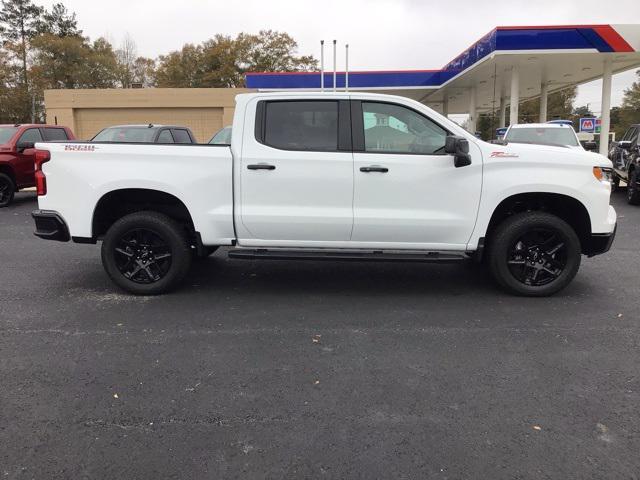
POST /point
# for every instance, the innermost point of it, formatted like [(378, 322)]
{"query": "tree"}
[(630, 108), (271, 51), (222, 61), (126, 56), (559, 106), (583, 111), (59, 22), (181, 69), (144, 71), (19, 22)]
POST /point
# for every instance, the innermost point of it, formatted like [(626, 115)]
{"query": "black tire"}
[(615, 182), (7, 190), (146, 253), (531, 242), (633, 189)]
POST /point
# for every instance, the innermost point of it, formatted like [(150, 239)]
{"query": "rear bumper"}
[(600, 243), (50, 226)]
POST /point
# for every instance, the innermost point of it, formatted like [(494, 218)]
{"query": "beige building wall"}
[(86, 112)]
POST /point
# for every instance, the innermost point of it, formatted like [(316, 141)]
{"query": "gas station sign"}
[(590, 125)]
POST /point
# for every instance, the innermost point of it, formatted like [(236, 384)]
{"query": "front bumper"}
[(600, 243), (50, 226)]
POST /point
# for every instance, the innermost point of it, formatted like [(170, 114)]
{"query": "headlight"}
[(603, 174)]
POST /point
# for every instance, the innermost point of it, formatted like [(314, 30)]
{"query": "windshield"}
[(6, 133), (126, 134), (223, 137), (542, 136)]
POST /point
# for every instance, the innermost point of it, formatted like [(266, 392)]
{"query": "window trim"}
[(344, 134), (359, 145)]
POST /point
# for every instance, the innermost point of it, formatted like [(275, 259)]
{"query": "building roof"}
[(559, 56)]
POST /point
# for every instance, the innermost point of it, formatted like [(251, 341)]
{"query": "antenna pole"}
[(346, 69), (322, 65), (334, 65)]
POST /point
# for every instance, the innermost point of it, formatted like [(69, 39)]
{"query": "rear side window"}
[(634, 136), (181, 136), (53, 134), (310, 125), (31, 135), (165, 137)]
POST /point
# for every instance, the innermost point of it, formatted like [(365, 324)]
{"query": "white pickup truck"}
[(333, 176)]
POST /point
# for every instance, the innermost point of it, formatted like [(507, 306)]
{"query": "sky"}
[(382, 34)]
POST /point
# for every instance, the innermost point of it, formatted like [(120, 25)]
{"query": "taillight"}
[(41, 156)]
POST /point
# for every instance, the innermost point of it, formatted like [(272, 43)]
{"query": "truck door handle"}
[(261, 166), (374, 168)]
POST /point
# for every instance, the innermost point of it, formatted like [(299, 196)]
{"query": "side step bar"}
[(429, 257)]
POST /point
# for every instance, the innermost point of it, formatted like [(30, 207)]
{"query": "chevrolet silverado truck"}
[(330, 176)]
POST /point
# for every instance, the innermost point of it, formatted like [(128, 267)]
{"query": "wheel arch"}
[(8, 170), (118, 203), (566, 207)]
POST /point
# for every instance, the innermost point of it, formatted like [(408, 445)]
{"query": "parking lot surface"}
[(315, 369)]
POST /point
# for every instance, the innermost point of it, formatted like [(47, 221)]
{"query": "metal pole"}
[(544, 101), (605, 115), (346, 69), (334, 65), (322, 65), (514, 102)]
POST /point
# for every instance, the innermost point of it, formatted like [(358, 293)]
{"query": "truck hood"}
[(548, 152)]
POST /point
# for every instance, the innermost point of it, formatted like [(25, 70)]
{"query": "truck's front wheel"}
[(146, 253), (7, 190), (534, 254)]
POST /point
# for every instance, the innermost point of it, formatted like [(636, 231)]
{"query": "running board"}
[(376, 256)]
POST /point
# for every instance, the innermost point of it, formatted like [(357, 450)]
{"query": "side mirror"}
[(590, 146), (626, 144), (22, 146), (458, 147)]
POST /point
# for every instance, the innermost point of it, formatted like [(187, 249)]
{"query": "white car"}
[(557, 134), (331, 176)]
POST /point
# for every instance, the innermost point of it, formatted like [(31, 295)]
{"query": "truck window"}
[(633, 138), (181, 135), (304, 125), (165, 137), (392, 128), (628, 134), (31, 135), (6, 133), (53, 134)]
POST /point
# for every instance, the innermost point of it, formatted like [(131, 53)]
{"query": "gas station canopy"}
[(506, 66)]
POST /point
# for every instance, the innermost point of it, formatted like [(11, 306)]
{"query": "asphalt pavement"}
[(279, 369)]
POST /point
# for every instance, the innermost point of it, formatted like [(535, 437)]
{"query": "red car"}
[(17, 155)]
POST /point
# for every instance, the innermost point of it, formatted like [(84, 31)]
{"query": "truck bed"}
[(79, 174)]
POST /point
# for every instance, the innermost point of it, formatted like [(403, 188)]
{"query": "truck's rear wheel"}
[(7, 190), (633, 188), (146, 253), (534, 254)]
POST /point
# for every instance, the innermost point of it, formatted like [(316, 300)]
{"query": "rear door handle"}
[(374, 168), (261, 166)]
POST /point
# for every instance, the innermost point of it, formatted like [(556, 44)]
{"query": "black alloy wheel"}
[(146, 253), (538, 257), (143, 256), (534, 253)]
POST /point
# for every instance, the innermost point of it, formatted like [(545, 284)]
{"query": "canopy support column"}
[(606, 106), (544, 98), (515, 95), (472, 110)]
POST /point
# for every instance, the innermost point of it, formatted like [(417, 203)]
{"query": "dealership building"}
[(504, 68)]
